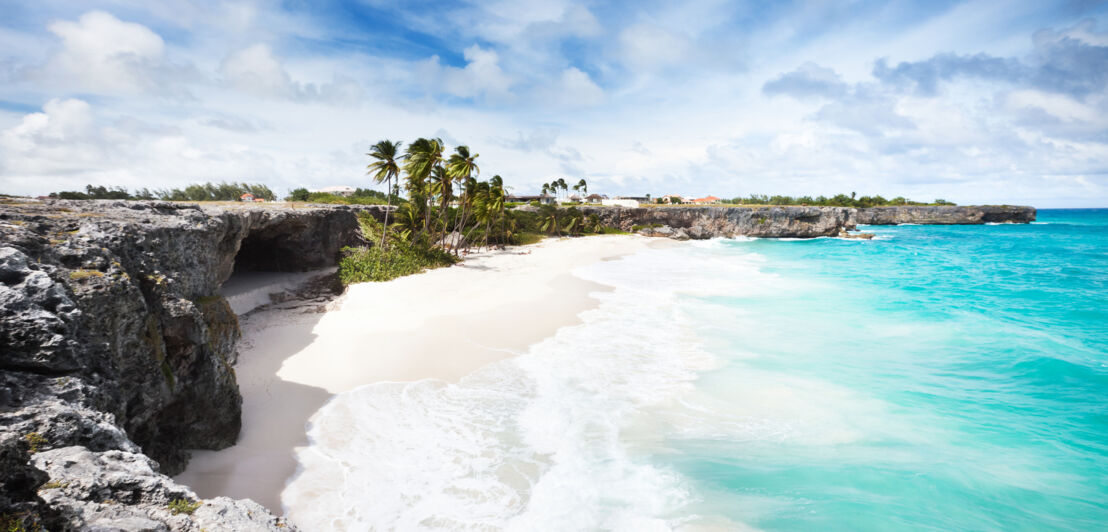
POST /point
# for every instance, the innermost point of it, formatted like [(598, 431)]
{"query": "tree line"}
[(838, 200), (197, 192), (361, 196)]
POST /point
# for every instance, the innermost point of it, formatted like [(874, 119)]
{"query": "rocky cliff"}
[(945, 215), (792, 221), (709, 222), (116, 352)]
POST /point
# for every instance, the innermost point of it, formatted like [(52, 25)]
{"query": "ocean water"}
[(935, 378)]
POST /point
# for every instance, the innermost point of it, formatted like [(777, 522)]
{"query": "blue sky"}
[(974, 102)]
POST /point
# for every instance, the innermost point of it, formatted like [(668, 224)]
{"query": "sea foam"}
[(546, 440)]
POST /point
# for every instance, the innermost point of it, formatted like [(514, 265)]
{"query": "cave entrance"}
[(271, 266), (269, 253)]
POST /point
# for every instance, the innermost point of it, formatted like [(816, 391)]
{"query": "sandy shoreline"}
[(441, 324)]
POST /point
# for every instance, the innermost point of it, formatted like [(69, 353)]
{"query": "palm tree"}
[(549, 218), (481, 207), (583, 186), (468, 188), (407, 220), (441, 186), (421, 159), (562, 185), (593, 223), (461, 166), (494, 205), (385, 168)]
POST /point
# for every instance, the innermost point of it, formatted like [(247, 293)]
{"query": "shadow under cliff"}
[(274, 412)]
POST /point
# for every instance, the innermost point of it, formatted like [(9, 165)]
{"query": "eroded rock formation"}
[(945, 215), (791, 221), (116, 349), (709, 222)]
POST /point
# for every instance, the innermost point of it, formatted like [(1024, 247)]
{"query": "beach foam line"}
[(535, 442), (442, 324)]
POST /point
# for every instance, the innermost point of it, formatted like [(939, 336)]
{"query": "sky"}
[(972, 102)]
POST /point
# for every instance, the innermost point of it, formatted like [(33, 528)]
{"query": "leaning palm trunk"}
[(460, 225), (488, 228), (388, 207)]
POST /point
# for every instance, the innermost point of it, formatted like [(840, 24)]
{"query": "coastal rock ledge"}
[(116, 353), (684, 223)]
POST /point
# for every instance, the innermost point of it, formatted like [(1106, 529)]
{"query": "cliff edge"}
[(792, 221), (116, 352)]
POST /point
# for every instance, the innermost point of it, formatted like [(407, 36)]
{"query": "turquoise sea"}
[(934, 378)]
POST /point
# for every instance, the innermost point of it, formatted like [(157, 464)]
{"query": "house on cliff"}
[(341, 190), (545, 199), (707, 200)]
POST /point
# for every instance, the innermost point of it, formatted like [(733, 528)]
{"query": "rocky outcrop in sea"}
[(117, 353)]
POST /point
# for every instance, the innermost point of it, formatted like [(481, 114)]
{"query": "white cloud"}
[(67, 146), (255, 70), (685, 86), (61, 139), (650, 46), (100, 53), (576, 89), (1056, 105), (482, 76)]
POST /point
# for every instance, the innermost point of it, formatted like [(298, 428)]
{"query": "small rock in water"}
[(859, 236)]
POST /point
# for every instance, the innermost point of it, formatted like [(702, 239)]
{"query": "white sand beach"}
[(442, 324)]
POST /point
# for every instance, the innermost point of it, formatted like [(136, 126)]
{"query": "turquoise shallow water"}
[(935, 378), (939, 378)]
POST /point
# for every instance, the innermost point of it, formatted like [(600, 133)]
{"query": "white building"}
[(341, 190), (619, 203)]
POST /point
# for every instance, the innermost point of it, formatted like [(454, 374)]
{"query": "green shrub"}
[(22, 522), (528, 237), (35, 441), (374, 264), (607, 230), (183, 506), (78, 275)]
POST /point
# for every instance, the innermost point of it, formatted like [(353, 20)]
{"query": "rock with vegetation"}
[(115, 342), (119, 490), (945, 215), (710, 222), (792, 221)]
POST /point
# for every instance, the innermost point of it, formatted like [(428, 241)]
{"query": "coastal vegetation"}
[(361, 196), (197, 192), (448, 210), (183, 506), (838, 200)]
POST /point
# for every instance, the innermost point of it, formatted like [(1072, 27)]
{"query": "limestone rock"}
[(118, 490), (791, 221), (113, 340), (945, 215)]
